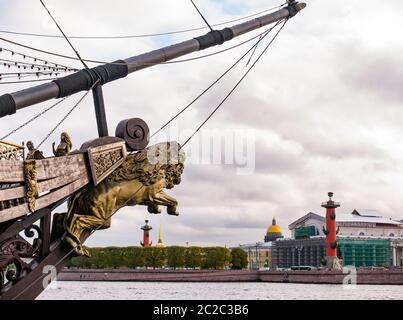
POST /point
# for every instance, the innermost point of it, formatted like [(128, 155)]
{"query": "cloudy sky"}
[(323, 107)]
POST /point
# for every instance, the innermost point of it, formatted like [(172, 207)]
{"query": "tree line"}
[(154, 257)]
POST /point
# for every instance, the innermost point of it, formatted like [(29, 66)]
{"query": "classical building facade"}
[(364, 238), (260, 253), (369, 223)]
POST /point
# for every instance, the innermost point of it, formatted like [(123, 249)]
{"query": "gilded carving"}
[(140, 180), (33, 153), (64, 146), (104, 159), (9, 151), (31, 183)]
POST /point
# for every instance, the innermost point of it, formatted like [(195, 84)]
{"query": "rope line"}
[(235, 87), (33, 118), (201, 15), (28, 72), (68, 113), (253, 53), (217, 80), (27, 81), (34, 65), (35, 58), (67, 39), (140, 35)]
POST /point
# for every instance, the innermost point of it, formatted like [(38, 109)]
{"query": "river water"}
[(79, 290)]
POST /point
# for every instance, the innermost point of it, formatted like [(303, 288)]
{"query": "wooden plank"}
[(43, 186), (54, 167), (58, 194), (14, 212), (67, 178), (11, 171), (45, 200)]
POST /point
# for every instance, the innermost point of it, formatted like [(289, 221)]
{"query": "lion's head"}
[(163, 160)]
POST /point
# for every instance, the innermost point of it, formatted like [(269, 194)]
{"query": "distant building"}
[(364, 238), (273, 232), (160, 244), (358, 223), (259, 255), (146, 235)]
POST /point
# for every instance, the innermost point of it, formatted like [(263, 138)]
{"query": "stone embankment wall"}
[(329, 277)]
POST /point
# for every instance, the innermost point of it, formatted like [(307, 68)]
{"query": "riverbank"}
[(373, 277)]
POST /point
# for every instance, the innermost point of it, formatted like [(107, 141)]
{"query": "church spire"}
[(160, 243)]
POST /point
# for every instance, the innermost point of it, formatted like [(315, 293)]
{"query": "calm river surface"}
[(72, 290)]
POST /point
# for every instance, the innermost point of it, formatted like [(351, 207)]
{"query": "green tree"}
[(154, 257), (216, 258), (176, 256), (79, 262), (133, 257), (96, 258), (239, 259), (193, 257)]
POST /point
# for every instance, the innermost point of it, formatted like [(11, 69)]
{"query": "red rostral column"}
[(146, 237), (331, 240)]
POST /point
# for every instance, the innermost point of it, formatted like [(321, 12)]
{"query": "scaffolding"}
[(364, 252), (311, 252)]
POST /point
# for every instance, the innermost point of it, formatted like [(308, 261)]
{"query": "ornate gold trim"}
[(11, 151), (31, 183)]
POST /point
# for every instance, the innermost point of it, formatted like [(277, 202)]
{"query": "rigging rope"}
[(27, 81), (33, 118), (68, 113), (141, 35), (202, 16), (35, 58), (34, 65), (67, 39), (235, 87), (217, 80)]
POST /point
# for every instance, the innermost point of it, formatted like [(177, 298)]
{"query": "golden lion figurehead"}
[(163, 160)]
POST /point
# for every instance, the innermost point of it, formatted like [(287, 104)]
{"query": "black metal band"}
[(215, 37), (292, 9), (84, 79), (7, 105)]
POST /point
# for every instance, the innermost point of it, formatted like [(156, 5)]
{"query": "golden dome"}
[(274, 228)]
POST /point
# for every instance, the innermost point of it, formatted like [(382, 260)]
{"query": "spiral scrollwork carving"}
[(14, 250)]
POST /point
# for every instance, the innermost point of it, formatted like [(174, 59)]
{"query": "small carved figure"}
[(33, 153), (64, 147), (140, 180)]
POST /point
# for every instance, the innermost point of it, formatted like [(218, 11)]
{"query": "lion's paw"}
[(172, 211), (155, 209)]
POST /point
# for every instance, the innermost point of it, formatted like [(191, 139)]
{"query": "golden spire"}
[(160, 244)]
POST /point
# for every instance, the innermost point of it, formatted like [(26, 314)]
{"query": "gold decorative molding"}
[(31, 183), (11, 151), (105, 159)]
